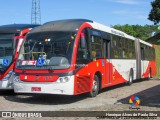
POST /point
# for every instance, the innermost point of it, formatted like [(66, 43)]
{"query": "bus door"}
[(142, 60), (107, 61)]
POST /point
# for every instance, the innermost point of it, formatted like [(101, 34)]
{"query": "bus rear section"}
[(148, 60), (81, 57), (11, 38)]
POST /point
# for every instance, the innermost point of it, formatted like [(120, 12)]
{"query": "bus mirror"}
[(83, 41)]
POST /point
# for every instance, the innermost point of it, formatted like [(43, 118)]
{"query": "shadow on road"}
[(45, 99), (48, 99), (7, 92), (122, 85), (149, 97)]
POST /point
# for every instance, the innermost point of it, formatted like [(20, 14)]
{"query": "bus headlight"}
[(63, 79)]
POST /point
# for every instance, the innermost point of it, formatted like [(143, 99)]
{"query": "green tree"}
[(154, 15), (126, 28), (138, 31)]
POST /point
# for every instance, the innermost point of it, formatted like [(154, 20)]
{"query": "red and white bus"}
[(76, 56), (11, 37)]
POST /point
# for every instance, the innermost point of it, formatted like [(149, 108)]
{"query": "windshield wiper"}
[(32, 48), (24, 68)]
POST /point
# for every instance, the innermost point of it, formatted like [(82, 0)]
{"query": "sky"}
[(108, 12)]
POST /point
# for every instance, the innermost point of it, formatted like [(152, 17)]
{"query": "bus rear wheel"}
[(95, 87), (130, 80), (150, 74)]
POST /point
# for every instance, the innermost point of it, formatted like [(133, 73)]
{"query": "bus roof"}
[(15, 28), (74, 24), (61, 25)]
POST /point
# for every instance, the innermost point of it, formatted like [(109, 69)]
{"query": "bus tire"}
[(130, 80), (95, 87), (150, 73)]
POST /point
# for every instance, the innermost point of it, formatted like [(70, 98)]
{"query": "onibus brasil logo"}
[(134, 102)]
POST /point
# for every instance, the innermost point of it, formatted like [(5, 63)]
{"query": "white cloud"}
[(127, 1)]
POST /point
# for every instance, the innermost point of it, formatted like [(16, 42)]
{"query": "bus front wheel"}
[(95, 87)]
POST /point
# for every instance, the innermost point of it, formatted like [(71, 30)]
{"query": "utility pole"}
[(36, 12)]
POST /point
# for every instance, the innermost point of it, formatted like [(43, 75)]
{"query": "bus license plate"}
[(36, 89)]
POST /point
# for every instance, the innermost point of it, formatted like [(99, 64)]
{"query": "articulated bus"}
[(76, 56), (11, 37)]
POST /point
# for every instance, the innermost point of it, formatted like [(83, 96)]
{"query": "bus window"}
[(6, 50), (83, 53), (96, 47), (117, 50)]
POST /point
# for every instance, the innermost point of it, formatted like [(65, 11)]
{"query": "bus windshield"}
[(6, 51), (46, 50)]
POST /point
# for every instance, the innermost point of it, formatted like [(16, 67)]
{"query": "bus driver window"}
[(82, 53)]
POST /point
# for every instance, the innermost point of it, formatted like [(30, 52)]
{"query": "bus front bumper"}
[(61, 88)]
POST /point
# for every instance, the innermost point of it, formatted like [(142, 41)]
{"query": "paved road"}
[(112, 98)]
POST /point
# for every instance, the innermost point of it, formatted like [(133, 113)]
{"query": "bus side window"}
[(116, 48), (96, 47), (83, 53)]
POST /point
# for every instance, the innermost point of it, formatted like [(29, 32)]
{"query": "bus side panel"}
[(117, 77), (108, 74), (84, 76), (154, 68), (123, 68), (82, 81), (147, 66)]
